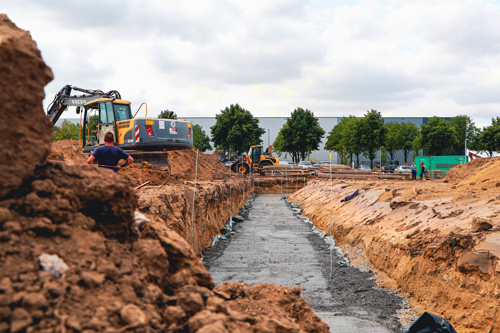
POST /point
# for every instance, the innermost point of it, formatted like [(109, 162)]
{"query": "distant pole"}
[(268, 137), (465, 152)]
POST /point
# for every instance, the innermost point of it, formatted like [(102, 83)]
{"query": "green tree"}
[(416, 147), (393, 141), (278, 144), (409, 131), (167, 114), (302, 134), (343, 135), (438, 137), (489, 139), (200, 139), (236, 129), (383, 156), (67, 131), (372, 134), (464, 127)]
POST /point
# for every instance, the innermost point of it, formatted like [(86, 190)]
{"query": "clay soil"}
[(437, 241)]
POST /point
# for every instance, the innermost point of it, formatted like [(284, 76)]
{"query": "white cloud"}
[(413, 58)]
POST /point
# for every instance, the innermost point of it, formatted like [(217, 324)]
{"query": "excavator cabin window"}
[(122, 112)]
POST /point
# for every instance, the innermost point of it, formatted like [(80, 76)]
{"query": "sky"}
[(336, 58)]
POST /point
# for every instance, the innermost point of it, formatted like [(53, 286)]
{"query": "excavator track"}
[(156, 159)]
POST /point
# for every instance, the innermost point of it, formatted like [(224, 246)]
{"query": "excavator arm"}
[(63, 99)]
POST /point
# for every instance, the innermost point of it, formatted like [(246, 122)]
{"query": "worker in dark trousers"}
[(413, 171), (422, 170), (109, 155)]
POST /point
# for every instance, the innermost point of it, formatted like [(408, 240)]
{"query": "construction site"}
[(196, 247)]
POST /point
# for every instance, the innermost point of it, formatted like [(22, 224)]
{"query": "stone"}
[(55, 289), (479, 225), (174, 314), (92, 279), (192, 302), (19, 320), (215, 327), (132, 314), (34, 301), (5, 312), (4, 327), (5, 214), (6, 286), (203, 318), (26, 130), (12, 227), (73, 323)]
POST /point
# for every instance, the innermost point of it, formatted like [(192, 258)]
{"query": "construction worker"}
[(413, 171), (109, 155), (422, 170)]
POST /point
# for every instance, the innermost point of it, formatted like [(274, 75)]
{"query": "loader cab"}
[(254, 153), (112, 115)]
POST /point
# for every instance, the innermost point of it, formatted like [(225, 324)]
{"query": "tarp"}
[(429, 323), (350, 196)]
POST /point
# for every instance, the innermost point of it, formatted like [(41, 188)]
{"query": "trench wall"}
[(214, 203), (411, 241)]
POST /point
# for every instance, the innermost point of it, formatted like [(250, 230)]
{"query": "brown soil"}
[(182, 165), (121, 275), (439, 241)]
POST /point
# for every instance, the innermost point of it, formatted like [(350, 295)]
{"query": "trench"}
[(273, 246)]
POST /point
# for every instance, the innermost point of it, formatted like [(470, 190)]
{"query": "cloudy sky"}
[(336, 58)]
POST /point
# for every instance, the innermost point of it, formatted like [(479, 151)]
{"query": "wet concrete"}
[(274, 246)]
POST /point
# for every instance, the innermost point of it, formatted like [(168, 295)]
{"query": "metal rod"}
[(194, 196)]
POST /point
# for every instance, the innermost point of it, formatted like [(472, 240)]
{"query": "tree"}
[(372, 134), (417, 146), (343, 135), (200, 139), (278, 144), (464, 127), (489, 139), (437, 137), (302, 134), (383, 156), (393, 141), (236, 129), (167, 114), (409, 132), (67, 131)]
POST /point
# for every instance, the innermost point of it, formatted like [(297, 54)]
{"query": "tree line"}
[(236, 129)]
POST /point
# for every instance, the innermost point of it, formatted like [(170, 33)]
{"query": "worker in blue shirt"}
[(109, 155)]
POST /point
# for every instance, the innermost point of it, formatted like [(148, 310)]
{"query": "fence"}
[(438, 166)]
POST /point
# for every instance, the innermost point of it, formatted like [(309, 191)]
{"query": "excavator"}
[(255, 160), (145, 139)]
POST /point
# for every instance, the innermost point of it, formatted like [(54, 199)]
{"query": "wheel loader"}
[(255, 160)]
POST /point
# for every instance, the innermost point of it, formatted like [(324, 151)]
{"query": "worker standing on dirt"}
[(422, 170), (413, 171), (109, 155)]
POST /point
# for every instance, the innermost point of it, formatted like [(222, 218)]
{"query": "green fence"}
[(439, 163)]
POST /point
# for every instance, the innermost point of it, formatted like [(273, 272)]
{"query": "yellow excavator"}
[(255, 160), (145, 139)]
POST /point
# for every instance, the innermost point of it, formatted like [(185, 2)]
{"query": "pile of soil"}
[(113, 272), (477, 171), (182, 165)]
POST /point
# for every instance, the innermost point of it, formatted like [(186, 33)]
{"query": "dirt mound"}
[(477, 171), (26, 131), (69, 151), (183, 166)]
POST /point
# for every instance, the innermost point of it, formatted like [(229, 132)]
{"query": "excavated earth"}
[(113, 270), (438, 241)]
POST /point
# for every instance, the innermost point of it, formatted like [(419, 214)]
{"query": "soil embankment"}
[(438, 240), (75, 257)]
